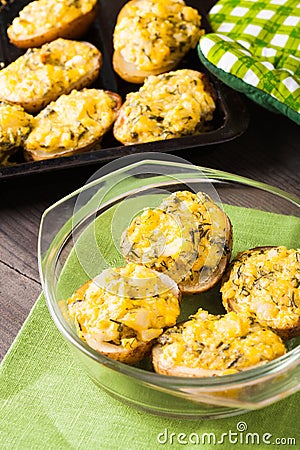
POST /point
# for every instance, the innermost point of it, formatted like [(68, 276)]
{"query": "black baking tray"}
[(230, 118)]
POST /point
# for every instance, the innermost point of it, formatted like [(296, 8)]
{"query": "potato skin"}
[(72, 30), (125, 355)]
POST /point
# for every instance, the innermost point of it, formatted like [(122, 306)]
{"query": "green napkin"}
[(255, 50), (48, 401)]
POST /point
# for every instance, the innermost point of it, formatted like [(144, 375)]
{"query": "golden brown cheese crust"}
[(41, 75), (43, 21), (188, 237), (152, 36), (167, 106), (15, 125), (123, 310), (72, 124), (265, 283), (208, 345)]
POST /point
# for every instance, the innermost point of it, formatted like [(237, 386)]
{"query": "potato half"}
[(72, 124), (122, 311), (15, 125), (188, 237), (152, 36), (208, 345), (44, 21), (170, 105), (263, 282), (41, 75)]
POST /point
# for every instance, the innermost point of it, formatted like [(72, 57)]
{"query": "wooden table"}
[(268, 151)]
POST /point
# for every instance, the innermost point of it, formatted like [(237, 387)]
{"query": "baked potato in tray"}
[(228, 119), (188, 237), (44, 21), (42, 74), (171, 105)]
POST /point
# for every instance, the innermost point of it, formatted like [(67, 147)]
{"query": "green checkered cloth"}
[(255, 49)]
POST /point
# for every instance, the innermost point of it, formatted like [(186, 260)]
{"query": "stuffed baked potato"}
[(122, 311), (72, 124), (41, 75), (15, 126), (170, 105), (152, 36), (264, 282)]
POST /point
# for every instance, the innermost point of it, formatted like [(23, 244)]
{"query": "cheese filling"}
[(167, 106), (266, 284), (73, 121), (154, 33), (225, 344), (15, 125), (126, 305), (46, 14), (49, 69), (185, 237)]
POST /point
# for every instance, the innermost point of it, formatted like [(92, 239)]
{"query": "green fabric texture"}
[(48, 401), (255, 49)]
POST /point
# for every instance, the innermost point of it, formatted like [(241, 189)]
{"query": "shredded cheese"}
[(125, 306), (72, 122), (265, 283), (221, 344), (46, 14), (167, 106)]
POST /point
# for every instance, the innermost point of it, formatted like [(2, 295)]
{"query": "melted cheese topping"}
[(153, 33), (73, 121), (126, 305), (185, 237), (167, 106), (265, 283), (46, 14), (45, 71), (15, 125), (222, 344)]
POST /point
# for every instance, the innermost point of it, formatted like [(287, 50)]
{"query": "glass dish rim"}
[(288, 361)]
